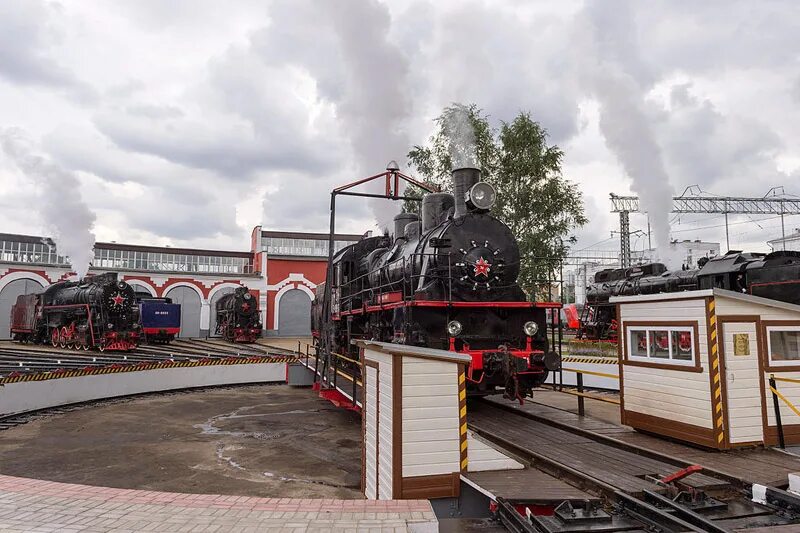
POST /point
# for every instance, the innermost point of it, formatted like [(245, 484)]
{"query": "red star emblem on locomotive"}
[(118, 299), (482, 267), (245, 307)]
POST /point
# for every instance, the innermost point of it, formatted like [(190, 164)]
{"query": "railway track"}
[(629, 481), (22, 358)]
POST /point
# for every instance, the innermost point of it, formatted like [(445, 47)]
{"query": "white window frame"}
[(692, 361), (780, 362)]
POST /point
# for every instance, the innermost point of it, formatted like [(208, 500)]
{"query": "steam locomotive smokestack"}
[(463, 180), (435, 207), (400, 222)]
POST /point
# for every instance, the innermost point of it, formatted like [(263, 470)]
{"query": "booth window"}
[(783, 344), (660, 344)]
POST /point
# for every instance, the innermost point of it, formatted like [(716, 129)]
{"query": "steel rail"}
[(622, 445)]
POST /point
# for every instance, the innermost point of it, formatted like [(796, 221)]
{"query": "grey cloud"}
[(729, 154), (27, 38), (230, 149)]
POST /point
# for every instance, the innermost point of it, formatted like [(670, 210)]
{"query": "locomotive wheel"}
[(101, 348), (85, 346), (62, 337), (54, 337)]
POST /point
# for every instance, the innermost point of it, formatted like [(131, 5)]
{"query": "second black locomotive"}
[(238, 316), (775, 275), (97, 312)]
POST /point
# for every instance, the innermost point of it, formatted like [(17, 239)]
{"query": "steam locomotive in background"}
[(775, 275), (238, 316), (449, 282), (97, 312)]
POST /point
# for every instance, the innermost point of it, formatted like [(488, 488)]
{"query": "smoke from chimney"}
[(65, 215)]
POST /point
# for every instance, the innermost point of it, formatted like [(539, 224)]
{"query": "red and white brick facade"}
[(268, 275)]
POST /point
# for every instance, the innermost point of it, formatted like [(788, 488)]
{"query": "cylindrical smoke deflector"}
[(400, 222), (412, 230), (463, 180), (435, 207)]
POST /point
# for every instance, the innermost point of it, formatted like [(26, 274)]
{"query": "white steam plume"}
[(619, 83), (373, 105), (458, 128), (65, 215)]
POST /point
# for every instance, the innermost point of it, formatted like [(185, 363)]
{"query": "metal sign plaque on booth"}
[(414, 421), (697, 366)]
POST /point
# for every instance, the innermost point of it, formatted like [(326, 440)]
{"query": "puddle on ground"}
[(209, 426), (221, 450)]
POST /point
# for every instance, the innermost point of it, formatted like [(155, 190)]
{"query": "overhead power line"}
[(770, 204)]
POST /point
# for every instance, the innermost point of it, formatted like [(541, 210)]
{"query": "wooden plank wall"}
[(431, 439), (665, 393)]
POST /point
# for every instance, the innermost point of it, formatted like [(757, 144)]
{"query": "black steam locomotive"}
[(238, 317), (98, 312), (775, 275), (449, 282)]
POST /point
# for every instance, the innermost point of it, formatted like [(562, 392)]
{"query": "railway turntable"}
[(536, 470)]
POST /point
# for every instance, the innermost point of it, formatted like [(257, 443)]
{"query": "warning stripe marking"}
[(719, 418), (462, 405), (595, 360), (139, 367)]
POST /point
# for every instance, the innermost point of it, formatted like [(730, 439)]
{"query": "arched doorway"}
[(8, 297), (294, 314), (142, 292), (212, 326), (190, 304)]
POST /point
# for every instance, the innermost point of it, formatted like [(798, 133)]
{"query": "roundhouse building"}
[(294, 264), (281, 270)]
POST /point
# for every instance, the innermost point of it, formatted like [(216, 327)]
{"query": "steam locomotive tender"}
[(98, 312), (449, 282), (775, 275), (238, 316), (160, 320)]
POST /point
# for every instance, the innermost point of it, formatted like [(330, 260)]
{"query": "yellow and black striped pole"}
[(716, 377), (462, 410)]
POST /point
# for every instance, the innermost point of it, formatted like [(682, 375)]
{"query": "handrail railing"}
[(580, 390), (773, 386)]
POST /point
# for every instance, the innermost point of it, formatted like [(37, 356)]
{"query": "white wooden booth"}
[(695, 366), (413, 420)]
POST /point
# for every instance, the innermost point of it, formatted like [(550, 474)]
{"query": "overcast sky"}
[(188, 122)]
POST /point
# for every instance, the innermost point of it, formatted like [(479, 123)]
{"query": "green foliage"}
[(537, 203)]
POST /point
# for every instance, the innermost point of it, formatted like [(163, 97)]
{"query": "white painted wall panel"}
[(483, 457), (385, 427), (32, 395), (431, 440), (370, 446), (670, 394)]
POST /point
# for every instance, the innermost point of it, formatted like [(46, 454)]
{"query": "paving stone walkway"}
[(40, 506)]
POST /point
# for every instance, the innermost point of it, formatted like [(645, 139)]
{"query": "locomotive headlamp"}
[(531, 328), (481, 196), (454, 328), (247, 296)]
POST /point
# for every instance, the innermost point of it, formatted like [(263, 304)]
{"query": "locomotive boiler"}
[(775, 275), (447, 281), (238, 317), (97, 312)]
